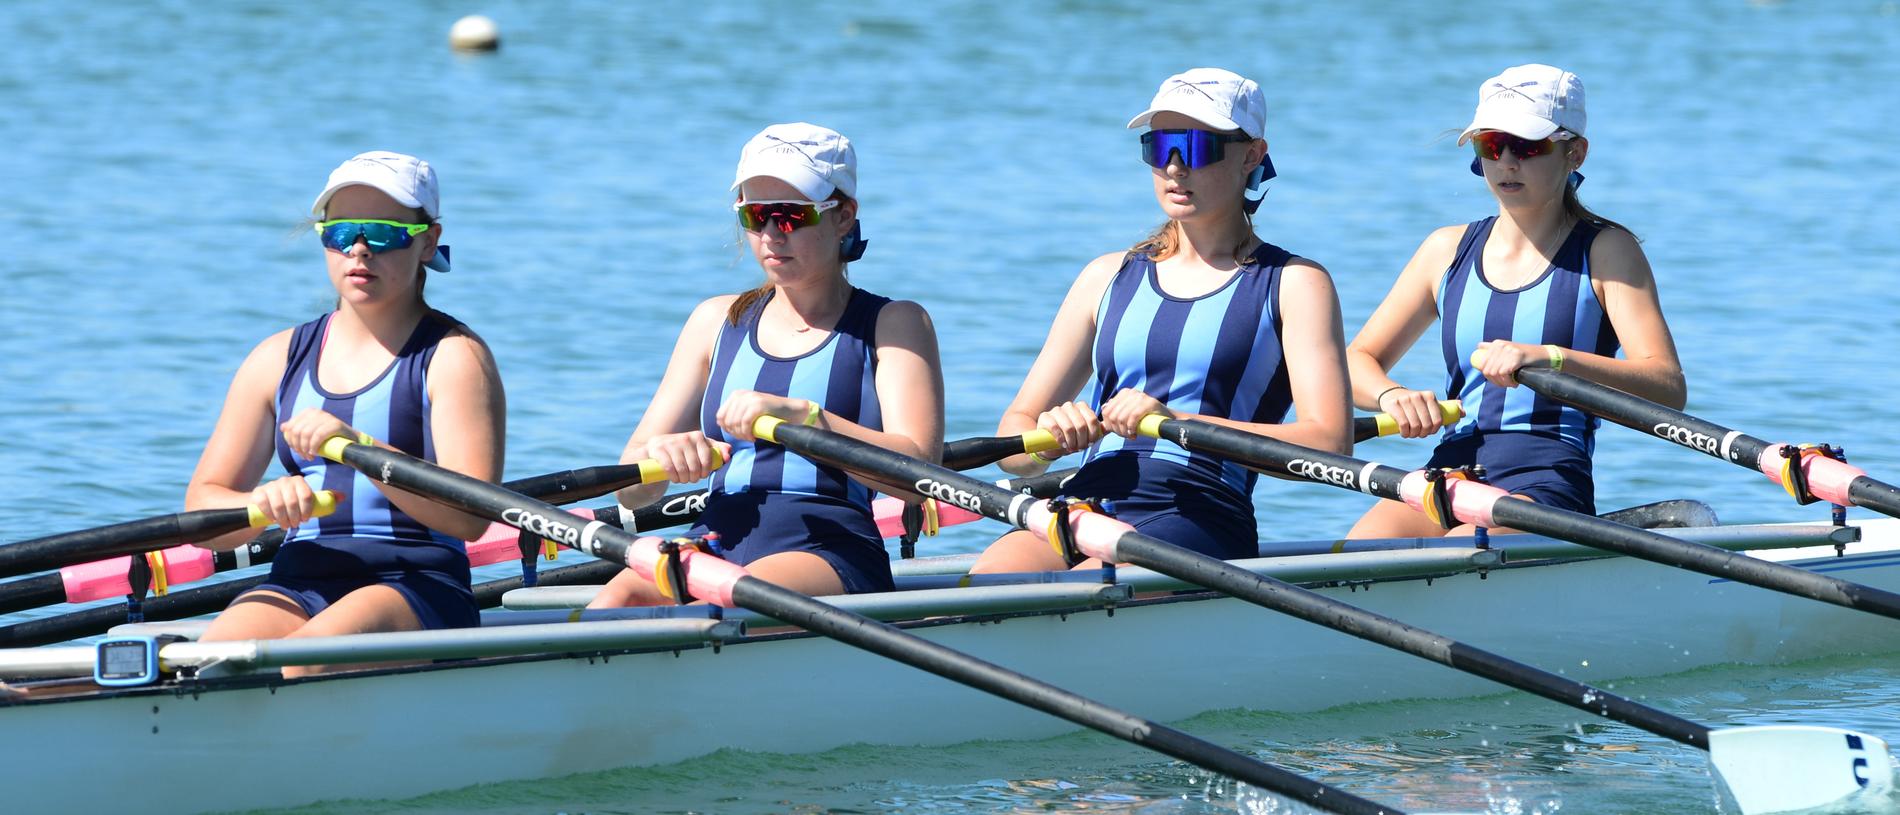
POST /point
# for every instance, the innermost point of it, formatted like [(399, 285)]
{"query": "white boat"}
[(528, 698)]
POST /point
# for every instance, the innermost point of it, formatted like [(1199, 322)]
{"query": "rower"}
[(1201, 319), (1543, 283), (807, 347), (383, 368)]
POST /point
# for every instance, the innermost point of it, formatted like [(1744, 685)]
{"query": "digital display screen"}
[(123, 658)]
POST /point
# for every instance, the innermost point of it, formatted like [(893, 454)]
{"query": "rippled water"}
[(160, 157)]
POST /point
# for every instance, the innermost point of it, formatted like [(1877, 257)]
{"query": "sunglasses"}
[(342, 234), (790, 215), (1197, 148), (1491, 144)]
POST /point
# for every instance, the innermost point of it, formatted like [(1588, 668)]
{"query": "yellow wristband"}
[(1037, 455), (1556, 357), (365, 439), (812, 412)]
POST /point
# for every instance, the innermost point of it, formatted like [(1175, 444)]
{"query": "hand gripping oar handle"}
[(964, 454), (1371, 427), (1485, 505), (1828, 479), (135, 537), (709, 578)]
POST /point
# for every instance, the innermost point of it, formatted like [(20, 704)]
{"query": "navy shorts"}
[(317, 573), (755, 523), (1171, 502), (1545, 469)]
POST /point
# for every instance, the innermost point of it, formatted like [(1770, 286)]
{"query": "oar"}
[(976, 451), (1488, 506), (1805, 474), (136, 537), (714, 580), (1766, 767)]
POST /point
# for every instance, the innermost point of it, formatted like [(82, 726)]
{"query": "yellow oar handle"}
[(1451, 409), (652, 473), (332, 447), (1036, 441), (765, 427), (1151, 425), (326, 504)]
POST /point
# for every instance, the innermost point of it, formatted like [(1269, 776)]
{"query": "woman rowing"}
[(384, 368), (1200, 320), (805, 346), (1544, 282)]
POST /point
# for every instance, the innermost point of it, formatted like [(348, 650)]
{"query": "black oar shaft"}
[(1271, 593), (1312, 607), (496, 503), (1684, 430), (129, 538), (1273, 455)]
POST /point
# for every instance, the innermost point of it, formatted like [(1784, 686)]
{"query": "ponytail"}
[(1575, 209)]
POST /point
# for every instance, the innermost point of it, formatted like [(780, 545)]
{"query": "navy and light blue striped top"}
[(839, 374), (1216, 355), (394, 408), (1558, 308)]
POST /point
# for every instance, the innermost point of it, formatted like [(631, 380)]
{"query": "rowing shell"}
[(529, 704)]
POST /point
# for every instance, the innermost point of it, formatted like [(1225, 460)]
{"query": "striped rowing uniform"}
[(1218, 354), (1528, 443), (368, 540), (767, 500)]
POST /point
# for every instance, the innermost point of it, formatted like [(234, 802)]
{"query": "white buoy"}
[(474, 33)]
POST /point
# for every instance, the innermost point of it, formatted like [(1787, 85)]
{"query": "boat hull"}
[(395, 734)]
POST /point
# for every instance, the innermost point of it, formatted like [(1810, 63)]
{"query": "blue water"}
[(160, 158)]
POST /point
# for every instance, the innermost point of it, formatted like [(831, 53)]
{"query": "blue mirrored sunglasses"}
[(1197, 148), (382, 236)]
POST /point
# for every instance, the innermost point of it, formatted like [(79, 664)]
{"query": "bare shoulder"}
[(1615, 255), (268, 358), (462, 345), (1443, 242)]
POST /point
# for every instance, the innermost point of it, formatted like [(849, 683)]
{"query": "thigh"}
[(801, 572), (1394, 519), (378, 607), (257, 615), (1018, 551)]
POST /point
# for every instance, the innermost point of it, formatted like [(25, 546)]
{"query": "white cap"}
[(409, 180), (1529, 102), (814, 159), (1223, 99)]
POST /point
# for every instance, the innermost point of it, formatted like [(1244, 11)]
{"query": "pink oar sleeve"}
[(1096, 535), (1828, 479), (502, 542), (889, 512), (107, 578), (1471, 502), (707, 577)]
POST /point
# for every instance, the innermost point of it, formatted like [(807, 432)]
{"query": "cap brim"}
[(807, 181), (323, 199), (1521, 125), (1217, 123)]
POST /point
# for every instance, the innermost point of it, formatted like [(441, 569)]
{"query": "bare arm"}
[(1061, 369), (1401, 318), (1627, 288), (669, 430), (238, 452)]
